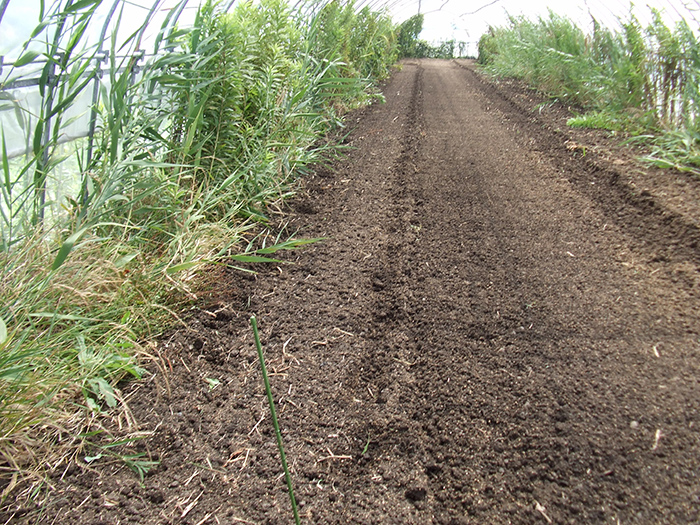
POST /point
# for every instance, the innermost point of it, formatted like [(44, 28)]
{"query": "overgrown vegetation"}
[(410, 46), (643, 80), (362, 44), (189, 155), (407, 36)]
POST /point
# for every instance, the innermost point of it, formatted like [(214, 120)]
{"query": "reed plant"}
[(407, 35), (362, 42), (190, 150), (642, 80)]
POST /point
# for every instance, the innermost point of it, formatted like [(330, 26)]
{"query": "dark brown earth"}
[(502, 326)]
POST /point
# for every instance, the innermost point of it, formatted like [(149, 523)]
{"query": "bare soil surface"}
[(501, 326)]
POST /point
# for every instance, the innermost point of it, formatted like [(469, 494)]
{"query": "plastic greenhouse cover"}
[(467, 20), (22, 17)]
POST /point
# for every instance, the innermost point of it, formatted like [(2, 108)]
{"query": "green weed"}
[(275, 423), (640, 80)]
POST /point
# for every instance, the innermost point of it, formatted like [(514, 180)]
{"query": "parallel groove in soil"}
[(670, 234)]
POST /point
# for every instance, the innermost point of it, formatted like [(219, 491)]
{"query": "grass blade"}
[(278, 434)]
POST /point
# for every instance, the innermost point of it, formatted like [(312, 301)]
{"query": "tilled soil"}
[(501, 326)]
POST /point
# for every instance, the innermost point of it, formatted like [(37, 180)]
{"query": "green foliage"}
[(488, 48), (679, 150), (410, 46), (407, 35), (362, 43), (641, 80), (444, 50), (188, 155), (597, 120)]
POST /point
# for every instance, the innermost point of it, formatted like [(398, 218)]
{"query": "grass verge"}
[(640, 80), (190, 151)]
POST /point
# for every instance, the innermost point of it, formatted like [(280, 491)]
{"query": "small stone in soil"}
[(415, 495)]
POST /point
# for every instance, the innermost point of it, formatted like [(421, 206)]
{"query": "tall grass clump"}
[(351, 44), (193, 141), (407, 35), (643, 80), (410, 46)]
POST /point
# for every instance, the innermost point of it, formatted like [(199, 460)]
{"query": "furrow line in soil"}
[(658, 229), (526, 320)]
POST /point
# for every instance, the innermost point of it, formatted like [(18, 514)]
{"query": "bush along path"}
[(501, 326), (195, 143)]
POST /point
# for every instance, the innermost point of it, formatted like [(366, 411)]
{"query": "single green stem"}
[(271, 401)]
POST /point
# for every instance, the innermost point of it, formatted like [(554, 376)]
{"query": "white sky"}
[(467, 20)]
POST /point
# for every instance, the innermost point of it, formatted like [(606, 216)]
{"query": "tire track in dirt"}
[(668, 234), (521, 341), (536, 349)]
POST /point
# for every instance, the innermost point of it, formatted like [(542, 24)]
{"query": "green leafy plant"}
[(114, 450), (192, 142), (643, 81), (597, 120)]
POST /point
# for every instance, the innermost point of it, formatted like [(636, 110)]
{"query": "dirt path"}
[(500, 327)]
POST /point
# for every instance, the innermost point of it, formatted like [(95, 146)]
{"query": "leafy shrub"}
[(644, 80)]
